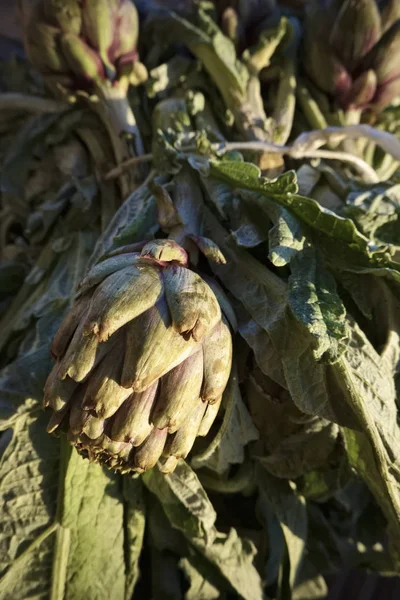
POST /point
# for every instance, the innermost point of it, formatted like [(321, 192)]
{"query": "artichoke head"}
[(82, 43), (352, 49), (143, 359)]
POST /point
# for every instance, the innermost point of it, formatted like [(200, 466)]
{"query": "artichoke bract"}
[(143, 359), (352, 49)]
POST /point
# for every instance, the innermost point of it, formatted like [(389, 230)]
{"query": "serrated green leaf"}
[(135, 522), (263, 294), (28, 473), (83, 520), (236, 431), (273, 413), (286, 237), (315, 303), (376, 211), (369, 388), (248, 176), (369, 391), (265, 297), (267, 358), (189, 510), (291, 512), (283, 191), (181, 494), (312, 384), (389, 303), (200, 588), (325, 546), (362, 457), (91, 513), (274, 539), (31, 139), (389, 272), (58, 272), (14, 390), (221, 195), (136, 220), (358, 286), (299, 453)]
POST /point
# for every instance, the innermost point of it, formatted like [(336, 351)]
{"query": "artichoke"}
[(88, 46), (82, 44), (143, 358), (352, 49)]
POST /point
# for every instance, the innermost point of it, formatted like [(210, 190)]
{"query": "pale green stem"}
[(63, 537), (310, 108), (20, 564), (115, 98), (60, 563), (388, 169), (369, 152), (352, 117), (285, 104)]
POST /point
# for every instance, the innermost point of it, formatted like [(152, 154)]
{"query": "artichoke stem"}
[(121, 113), (388, 168), (285, 104), (310, 108), (250, 116), (352, 117)]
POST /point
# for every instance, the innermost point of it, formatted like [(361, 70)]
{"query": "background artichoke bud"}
[(143, 358), (355, 61), (86, 41)]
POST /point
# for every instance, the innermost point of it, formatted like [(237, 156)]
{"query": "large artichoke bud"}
[(142, 360), (352, 51), (87, 45)]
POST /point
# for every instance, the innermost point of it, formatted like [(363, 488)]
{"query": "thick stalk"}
[(369, 152), (121, 114), (310, 108), (285, 103), (388, 168), (352, 117), (250, 117)]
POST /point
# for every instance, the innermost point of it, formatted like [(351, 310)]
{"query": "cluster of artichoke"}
[(79, 44), (142, 360), (352, 49)]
